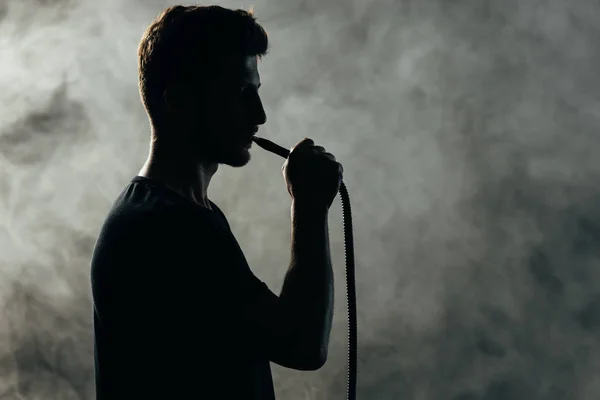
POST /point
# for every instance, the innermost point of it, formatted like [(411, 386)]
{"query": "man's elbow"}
[(318, 360), (316, 363), (310, 363), (302, 349), (299, 360)]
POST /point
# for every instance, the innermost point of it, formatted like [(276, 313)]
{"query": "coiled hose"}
[(350, 272)]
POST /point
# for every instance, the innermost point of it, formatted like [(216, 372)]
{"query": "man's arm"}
[(313, 178), (308, 289), (293, 330)]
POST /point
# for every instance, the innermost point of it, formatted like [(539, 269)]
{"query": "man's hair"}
[(186, 42)]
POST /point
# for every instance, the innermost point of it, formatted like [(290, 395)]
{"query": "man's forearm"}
[(308, 289)]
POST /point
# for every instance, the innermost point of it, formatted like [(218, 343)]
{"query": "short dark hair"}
[(185, 41)]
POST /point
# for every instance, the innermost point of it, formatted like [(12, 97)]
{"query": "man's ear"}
[(168, 98), (174, 98)]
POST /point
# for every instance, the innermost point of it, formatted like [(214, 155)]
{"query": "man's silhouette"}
[(178, 314)]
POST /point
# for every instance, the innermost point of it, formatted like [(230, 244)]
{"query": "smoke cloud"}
[(468, 134)]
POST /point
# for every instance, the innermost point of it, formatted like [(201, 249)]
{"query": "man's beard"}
[(234, 156), (220, 149)]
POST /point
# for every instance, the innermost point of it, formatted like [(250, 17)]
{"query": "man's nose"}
[(261, 117), (258, 114), (255, 112)]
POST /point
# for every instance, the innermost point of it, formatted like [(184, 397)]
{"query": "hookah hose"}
[(350, 275)]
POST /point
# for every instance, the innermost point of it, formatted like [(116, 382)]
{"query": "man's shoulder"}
[(142, 211), (146, 218), (130, 215)]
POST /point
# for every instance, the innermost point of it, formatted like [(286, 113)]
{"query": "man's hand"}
[(311, 174)]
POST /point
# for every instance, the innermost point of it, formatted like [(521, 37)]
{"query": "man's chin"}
[(236, 158)]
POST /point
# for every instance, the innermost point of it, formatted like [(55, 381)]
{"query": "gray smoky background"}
[(468, 130)]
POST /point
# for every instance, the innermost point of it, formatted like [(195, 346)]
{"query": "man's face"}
[(223, 114)]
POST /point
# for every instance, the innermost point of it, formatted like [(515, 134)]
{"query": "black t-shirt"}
[(168, 281)]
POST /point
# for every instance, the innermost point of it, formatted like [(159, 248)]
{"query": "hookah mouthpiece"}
[(272, 147)]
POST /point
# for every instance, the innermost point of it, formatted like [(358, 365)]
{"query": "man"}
[(178, 314)]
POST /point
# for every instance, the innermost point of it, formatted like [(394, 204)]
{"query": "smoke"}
[(467, 130)]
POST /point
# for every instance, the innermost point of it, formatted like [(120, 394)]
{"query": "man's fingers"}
[(303, 143)]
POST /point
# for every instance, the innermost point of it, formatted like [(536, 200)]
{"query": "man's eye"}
[(245, 88), (247, 91), (240, 89)]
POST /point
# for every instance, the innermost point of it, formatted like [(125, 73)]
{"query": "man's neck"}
[(187, 177)]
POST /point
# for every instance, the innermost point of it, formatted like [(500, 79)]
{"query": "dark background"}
[(468, 133)]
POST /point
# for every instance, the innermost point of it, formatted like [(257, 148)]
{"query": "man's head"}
[(198, 80)]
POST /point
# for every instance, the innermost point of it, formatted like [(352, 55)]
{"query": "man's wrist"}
[(309, 207)]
